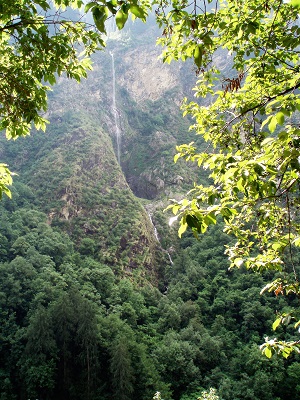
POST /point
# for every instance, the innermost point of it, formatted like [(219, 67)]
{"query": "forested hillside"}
[(72, 329), (99, 299)]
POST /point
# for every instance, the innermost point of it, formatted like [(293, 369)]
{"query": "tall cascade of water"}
[(115, 110), (154, 227), (157, 237)]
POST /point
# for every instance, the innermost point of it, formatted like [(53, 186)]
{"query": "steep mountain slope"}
[(73, 169), (78, 183), (91, 305), (150, 94)]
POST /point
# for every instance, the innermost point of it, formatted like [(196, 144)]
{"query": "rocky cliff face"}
[(145, 77), (149, 96), (73, 169)]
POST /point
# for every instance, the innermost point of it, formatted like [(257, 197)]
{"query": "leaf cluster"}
[(250, 124), (38, 43), (120, 10)]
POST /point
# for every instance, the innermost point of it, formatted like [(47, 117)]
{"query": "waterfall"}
[(115, 110), (154, 227), (170, 258), (157, 237)]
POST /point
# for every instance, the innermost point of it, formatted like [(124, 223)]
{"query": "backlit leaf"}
[(182, 229), (121, 18), (273, 123), (276, 323), (198, 54), (268, 352), (280, 118)]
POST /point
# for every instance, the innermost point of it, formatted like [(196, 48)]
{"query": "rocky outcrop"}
[(145, 76)]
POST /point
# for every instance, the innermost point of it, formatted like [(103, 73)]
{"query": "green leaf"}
[(203, 228), (280, 118), (295, 3), (238, 262), (296, 241), (266, 121), (176, 157), (182, 228), (51, 79), (252, 26), (277, 246), (230, 173), (273, 123), (268, 352), (121, 18), (297, 324), (175, 209), (100, 15), (193, 221), (240, 185), (198, 54), (111, 6), (138, 11), (210, 219), (286, 353), (211, 199), (88, 6), (276, 323)]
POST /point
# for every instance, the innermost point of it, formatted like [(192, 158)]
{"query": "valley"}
[(99, 298)]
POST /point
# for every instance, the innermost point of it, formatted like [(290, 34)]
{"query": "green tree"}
[(64, 318), (87, 338), (292, 380), (38, 365), (5, 180), (121, 369), (41, 40), (38, 42), (249, 119)]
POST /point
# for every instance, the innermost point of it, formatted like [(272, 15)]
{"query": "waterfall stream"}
[(157, 237), (115, 110), (118, 143), (154, 227)]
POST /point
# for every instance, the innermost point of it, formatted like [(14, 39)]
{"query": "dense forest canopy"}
[(250, 125), (61, 300), (72, 329)]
